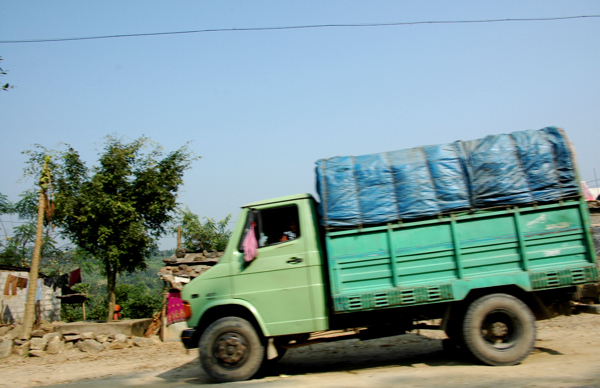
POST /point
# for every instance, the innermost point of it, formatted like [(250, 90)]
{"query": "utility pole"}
[(28, 320)]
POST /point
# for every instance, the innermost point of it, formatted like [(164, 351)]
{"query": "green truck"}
[(486, 274)]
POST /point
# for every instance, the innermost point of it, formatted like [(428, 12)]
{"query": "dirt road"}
[(566, 355)]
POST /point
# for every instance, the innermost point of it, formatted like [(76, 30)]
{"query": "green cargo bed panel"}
[(369, 267)]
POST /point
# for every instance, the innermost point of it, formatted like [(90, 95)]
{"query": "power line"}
[(301, 27)]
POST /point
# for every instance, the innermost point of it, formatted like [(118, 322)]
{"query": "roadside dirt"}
[(565, 355)]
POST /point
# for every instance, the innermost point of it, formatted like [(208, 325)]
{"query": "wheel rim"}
[(231, 350), (500, 329)]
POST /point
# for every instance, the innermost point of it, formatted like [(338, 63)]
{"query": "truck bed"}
[(443, 258)]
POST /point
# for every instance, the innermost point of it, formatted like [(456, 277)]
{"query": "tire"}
[(231, 350), (499, 329)]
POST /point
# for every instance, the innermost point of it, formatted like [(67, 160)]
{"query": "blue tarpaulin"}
[(509, 169)]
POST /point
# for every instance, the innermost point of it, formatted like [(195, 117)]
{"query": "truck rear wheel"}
[(499, 329), (231, 350)]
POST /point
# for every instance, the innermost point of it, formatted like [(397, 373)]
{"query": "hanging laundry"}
[(38, 290), (61, 281), (74, 277), (49, 282), (22, 283), (10, 288), (175, 311)]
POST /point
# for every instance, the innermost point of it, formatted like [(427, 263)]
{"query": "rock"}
[(106, 345), (116, 345), (47, 326), (38, 343), (120, 338), (72, 337), (16, 331), (37, 353), (129, 343), (69, 345), (50, 336), (55, 346), (5, 329), (90, 346), (21, 349), (6, 349), (102, 338), (142, 342), (38, 333), (88, 335), (156, 339)]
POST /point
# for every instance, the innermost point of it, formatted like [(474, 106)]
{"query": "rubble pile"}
[(45, 341), (183, 266)]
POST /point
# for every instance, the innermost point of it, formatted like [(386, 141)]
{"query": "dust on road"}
[(566, 355)]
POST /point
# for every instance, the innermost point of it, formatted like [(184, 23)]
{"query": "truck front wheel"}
[(499, 329), (231, 350)]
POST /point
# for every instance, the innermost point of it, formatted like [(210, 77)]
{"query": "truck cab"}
[(279, 292)]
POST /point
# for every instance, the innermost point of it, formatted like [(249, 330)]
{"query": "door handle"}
[(294, 260)]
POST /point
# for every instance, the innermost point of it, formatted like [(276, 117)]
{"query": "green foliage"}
[(116, 210), (197, 237), (139, 293), (16, 248)]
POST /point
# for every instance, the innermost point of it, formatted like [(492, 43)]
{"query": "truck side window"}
[(273, 226)]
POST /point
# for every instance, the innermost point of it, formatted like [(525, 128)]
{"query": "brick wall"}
[(12, 307)]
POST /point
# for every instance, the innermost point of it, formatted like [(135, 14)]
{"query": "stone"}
[(16, 331), (5, 329), (47, 326), (120, 338), (106, 345), (38, 343), (90, 346), (72, 337), (102, 338), (55, 346), (88, 335), (6, 349), (129, 343), (142, 342), (49, 336), (156, 339), (116, 345), (38, 333), (21, 349), (69, 345), (37, 353)]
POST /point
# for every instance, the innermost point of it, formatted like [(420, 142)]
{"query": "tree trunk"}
[(33, 270), (111, 283)]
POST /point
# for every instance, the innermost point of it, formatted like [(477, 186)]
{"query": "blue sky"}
[(260, 107)]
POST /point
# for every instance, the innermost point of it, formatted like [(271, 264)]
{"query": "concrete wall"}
[(12, 307)]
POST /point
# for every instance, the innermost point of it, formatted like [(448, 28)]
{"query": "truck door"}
[(276, 282)]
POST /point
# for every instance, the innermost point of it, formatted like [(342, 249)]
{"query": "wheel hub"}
[(499, 329), (231, 349)]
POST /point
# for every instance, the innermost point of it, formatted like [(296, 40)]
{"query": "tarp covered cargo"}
[(509, 169)]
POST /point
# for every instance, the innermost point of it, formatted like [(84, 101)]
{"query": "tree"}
[(6, 86), (29, 316), (16, 248), (116, 210), (197, 237)]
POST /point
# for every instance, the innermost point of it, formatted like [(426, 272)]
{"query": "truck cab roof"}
[(279, 199)]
